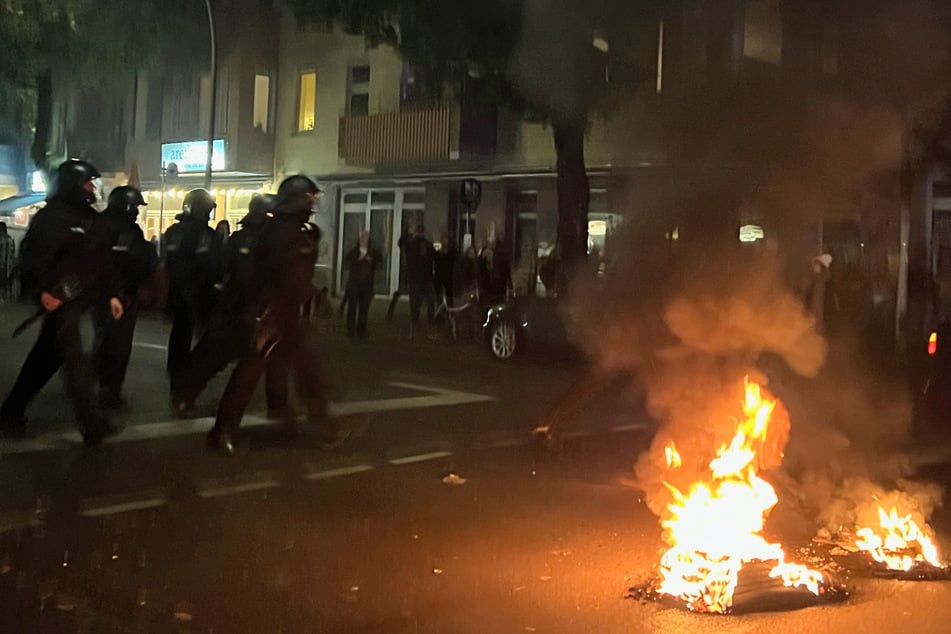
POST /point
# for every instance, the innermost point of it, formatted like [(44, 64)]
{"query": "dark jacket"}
[(133, 257), (494, 281), (239, 267), (418, 253), (284, 266), (445, 265), (362, 270), (194, 259), (59, 256)]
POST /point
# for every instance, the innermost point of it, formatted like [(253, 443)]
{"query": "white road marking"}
[(423, 457), (150, 346), (123, 507), (576, 434), (335, 473), (437, 397), (245, 487), (632, 427)]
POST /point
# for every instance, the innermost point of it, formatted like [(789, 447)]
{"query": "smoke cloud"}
[(691, 317)]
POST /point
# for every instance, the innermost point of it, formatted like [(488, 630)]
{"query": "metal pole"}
[(214, 93), (161, 213)]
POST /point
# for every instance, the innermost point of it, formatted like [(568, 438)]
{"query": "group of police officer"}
[(240, 299)]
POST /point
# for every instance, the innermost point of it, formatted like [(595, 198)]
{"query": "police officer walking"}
[(134, 260), (281, 281), (193, 254), (69, 273), (232, 322)]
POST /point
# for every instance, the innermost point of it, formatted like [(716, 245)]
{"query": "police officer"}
[(134, 260), (193, 260), (230, 326), (281, 282), (68, 273)]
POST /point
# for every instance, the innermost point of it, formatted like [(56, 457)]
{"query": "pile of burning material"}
[(718, 561), (886, 530)]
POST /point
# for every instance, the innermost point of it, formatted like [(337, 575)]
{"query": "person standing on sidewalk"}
[(362, 262), (68, 272), (283, 269), (7, 262), (133, 261), (194, 260), (419, 253)]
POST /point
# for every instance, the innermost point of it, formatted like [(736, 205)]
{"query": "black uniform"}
[(232, 322), (134, 260), (194, 262), (281, 281), (59, 257)]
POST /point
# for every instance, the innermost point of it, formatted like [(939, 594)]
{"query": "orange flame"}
[(672, 456), (714, 528), (898, 542)]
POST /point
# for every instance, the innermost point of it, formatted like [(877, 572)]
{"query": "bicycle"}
[(452, 313)]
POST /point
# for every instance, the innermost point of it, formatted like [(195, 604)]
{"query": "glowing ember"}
[(898, 542), (714, 528)]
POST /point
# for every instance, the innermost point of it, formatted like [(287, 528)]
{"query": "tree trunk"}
[(40, 151), (573, 194)]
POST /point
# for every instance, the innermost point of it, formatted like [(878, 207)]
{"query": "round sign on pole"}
[(471, 193)]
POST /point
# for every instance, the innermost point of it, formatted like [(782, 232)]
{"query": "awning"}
[(11, 204)]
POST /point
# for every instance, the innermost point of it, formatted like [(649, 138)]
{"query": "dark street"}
[(435, 516)]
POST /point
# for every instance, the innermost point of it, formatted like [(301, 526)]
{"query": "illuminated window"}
[(262, 102), (307, 102)]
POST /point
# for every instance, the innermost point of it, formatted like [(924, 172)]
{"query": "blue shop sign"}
[(191, 156)]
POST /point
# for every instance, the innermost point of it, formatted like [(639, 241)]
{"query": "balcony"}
[(418, 135)]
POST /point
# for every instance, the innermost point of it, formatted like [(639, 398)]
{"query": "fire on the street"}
[(715, 527), (898, 542)]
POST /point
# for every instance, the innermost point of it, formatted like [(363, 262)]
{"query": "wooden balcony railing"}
[(423, 134)]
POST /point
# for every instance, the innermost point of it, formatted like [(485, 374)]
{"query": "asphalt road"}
[(150, 533)]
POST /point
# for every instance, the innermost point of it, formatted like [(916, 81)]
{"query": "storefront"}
[(387, 213), (183, 168)]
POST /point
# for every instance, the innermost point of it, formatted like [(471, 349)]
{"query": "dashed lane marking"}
[(436, 397), (423, 457), (338, 472), (210, 491), (631, 427), (112, 505)]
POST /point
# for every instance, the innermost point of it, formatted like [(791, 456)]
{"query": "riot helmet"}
[(258, 208), (199, 203), (75, 182), (297, 195), (125, 201)]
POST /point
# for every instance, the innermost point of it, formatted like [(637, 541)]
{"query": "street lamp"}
[(214, 93)]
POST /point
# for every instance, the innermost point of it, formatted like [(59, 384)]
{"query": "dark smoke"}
[(691, 317)]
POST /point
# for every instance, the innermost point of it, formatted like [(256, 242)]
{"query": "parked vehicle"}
[(525, 322)]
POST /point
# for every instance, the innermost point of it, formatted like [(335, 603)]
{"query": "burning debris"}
[(714, 525), (890, 528), (718, 560)]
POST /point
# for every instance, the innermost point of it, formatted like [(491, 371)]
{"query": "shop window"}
[(358, 91), (262, 103), (307, 102)]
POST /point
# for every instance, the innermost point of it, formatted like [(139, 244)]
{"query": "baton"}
[(28, 322)]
